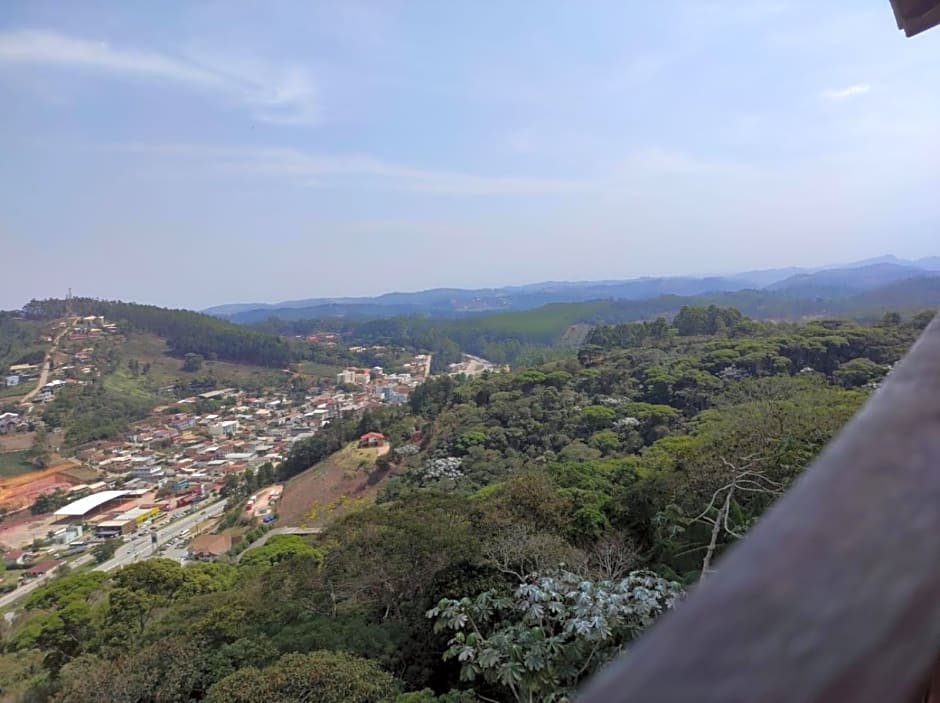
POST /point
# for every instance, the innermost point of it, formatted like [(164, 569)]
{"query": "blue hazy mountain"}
[(829, 281)]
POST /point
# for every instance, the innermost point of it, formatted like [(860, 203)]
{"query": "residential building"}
[(226, 427), (16, 558), (347, 377), (151, 473), (13, 380), (372, 439)]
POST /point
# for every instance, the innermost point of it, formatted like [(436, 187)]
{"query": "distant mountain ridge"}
[(827, 281), (845, 281)]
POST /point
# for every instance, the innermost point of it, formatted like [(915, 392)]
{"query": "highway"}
[(138, 548), (141, 546)]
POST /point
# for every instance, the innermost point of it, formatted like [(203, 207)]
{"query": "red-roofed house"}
[(372, 439), (47, 566)]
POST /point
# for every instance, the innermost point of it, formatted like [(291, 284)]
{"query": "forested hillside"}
[(19, 342), (535, 524), (186, 332), (528, 337)]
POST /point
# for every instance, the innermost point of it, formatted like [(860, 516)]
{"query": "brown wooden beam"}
[(835, 595)]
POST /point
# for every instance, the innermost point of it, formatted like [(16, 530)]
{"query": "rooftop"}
[(916, 16), (88, 503), (43, 566), (216, 545)]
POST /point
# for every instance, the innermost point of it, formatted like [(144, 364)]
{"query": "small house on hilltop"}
[(372, 439)]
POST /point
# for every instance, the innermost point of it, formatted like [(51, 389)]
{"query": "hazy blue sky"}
[(194, 153)]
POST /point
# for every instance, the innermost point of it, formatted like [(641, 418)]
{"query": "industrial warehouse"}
[(110, 513)]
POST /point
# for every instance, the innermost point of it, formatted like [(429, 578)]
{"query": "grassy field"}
[(333, 488), (167, 371), (150, 349), (16, 441), (14, 463), (124, 382), (18, 390), (230, 374), (314, 370), (545, 323)]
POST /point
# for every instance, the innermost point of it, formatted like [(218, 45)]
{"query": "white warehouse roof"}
[(88, 503)]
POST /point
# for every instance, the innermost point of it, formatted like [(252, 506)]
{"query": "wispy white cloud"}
[(849, 92), (279, 95), (355, 170)]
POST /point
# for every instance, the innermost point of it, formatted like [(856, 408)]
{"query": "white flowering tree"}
[(539, 642), (435, 470)]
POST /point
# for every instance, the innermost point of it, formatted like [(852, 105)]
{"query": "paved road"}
[(142, 548), (139, 548), (47, 360), (473, 366), (284, 531), (31, 586)]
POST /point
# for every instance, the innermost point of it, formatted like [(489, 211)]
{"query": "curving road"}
[(283, 531), (46, 362)]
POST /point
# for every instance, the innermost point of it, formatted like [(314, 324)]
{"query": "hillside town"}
[(182, 454)]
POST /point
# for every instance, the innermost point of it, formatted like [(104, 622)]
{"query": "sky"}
[(197, 153)]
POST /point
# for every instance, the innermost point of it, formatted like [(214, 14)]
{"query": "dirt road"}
[(44, 371)]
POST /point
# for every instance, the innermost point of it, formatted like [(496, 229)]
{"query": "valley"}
[(371, 478)]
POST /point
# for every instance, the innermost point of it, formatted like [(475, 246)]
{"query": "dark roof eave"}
[(916, 16)]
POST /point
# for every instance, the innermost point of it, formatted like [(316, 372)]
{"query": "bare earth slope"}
[(331, 489)]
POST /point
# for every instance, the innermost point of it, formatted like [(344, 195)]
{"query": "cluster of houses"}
[(31, 564), (244, 432), (394, 388), (184, 451), (79, 366), (91, 327)]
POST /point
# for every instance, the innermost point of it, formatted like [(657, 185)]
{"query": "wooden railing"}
[(835, 595)]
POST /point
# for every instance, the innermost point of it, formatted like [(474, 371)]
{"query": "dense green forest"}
[(93, 412), (535, 523), (186, 332), (19, 342)]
